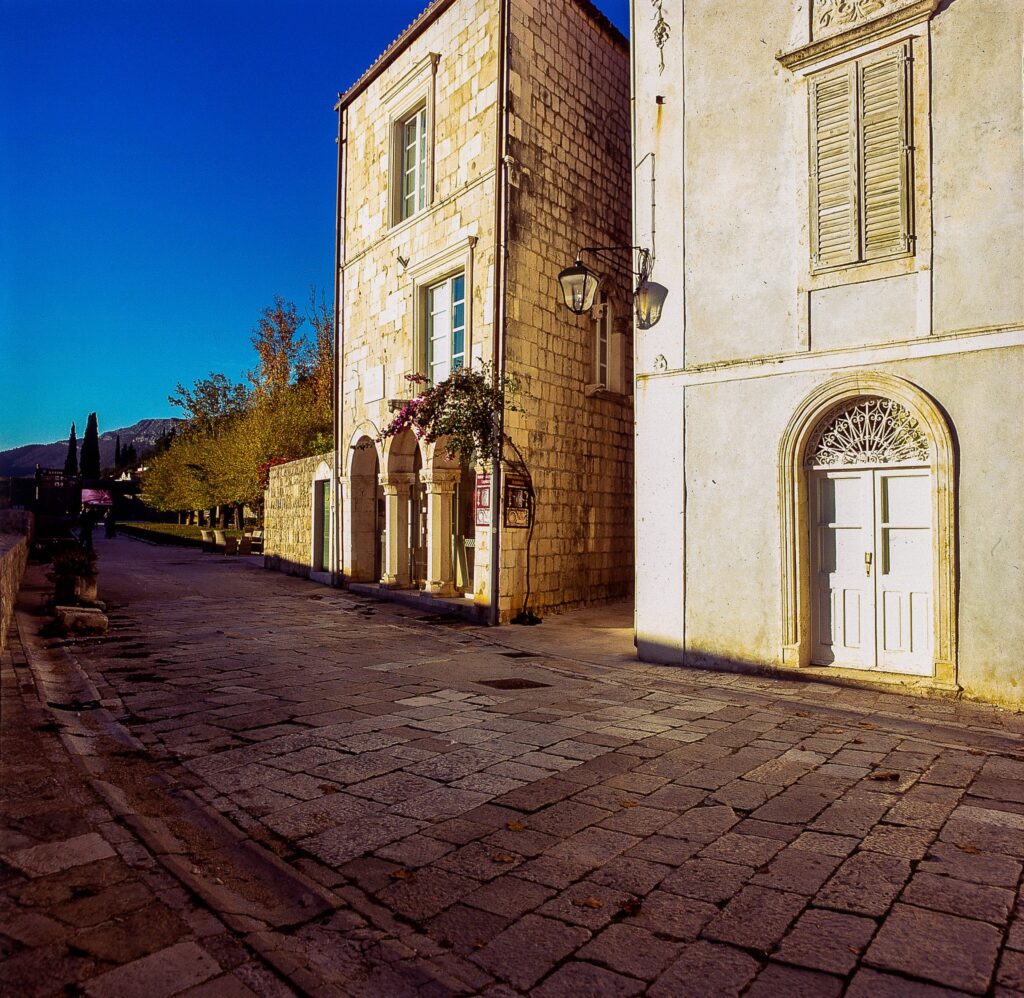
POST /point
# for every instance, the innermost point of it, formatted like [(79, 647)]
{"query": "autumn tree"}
[(90, 460), (282, 352), (209, 401), (71, 461)]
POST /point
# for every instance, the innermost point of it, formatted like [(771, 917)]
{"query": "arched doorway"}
[(868, 485), (365, 512)]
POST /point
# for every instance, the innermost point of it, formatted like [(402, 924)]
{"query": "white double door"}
[(871, 568)]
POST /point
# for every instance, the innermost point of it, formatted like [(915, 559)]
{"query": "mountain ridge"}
[(18, 462)]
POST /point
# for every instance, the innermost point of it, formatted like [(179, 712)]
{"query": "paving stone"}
[(313, 816), (466, 929), (867, 884), (990, 904), (746, 850), (528, 949), (701, 824), (704, 969), (949, 950), (673, 915), (868, 983), (707, 879), (793, 982), (593, 846), (895, 840), (444, 803), (1011, 971), (509, 895), (566, 817), (630, 950), (416, 850), (826, 940), (661, 849), (848, 818), (757, 918), (357, 836), (795, 805), (578, 978), (827, 845), (479, 860), (162, 973), (745, 795), (53, 857), (394, 788), (797, 870), (986, 830)]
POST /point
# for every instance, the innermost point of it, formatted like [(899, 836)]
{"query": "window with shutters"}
[(412, 145), (861, 161)]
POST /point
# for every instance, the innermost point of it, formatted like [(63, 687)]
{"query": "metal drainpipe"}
[(498, 344), (337, 577)]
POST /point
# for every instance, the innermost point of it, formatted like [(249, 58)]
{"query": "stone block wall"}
[(15, 535), (569, 134), (288, 514)]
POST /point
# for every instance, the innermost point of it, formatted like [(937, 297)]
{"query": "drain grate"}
[(512, 684), (75, 705), (519, 654)]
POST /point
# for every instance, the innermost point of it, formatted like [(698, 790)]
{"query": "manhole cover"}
[(512, 684)]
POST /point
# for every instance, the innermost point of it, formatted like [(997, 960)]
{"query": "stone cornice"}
[(860, 32)]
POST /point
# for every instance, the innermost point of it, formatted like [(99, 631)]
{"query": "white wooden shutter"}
[(885, 154), (834, 202)]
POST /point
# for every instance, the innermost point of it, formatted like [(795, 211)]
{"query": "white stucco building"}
[(829, 414)]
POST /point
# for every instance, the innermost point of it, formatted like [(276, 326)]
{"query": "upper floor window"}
[(412, 141), (861, 161), (602, 316), (446, 327)]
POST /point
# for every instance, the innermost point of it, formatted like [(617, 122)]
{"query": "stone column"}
[(396, 526), (440, 486)]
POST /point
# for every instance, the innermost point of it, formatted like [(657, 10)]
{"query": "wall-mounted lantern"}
[(579, 285)]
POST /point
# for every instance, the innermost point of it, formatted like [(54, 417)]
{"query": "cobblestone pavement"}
[(376, 803)]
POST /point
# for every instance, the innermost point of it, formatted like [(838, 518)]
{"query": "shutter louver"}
[(834, 209), (884, 156)]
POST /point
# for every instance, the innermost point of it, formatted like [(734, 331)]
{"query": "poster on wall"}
[(483, 500), (517, 501)]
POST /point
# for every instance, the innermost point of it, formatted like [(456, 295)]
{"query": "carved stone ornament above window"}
[(838, 26), (868, 431)]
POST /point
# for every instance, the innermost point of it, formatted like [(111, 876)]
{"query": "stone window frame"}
[(411, 93), (447, 263), (606, 312), (795, 522), (908, 26)]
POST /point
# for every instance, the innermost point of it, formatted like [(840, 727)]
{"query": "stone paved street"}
[(363, 801)]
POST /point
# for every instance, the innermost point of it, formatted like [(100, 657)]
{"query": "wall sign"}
[(483, 500), (517, 501)]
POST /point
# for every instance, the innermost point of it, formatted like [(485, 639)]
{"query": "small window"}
[(446, 327), (412, 142), (861, 165), (602, 315)]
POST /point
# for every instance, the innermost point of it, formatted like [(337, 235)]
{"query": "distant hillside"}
[(21, 461)]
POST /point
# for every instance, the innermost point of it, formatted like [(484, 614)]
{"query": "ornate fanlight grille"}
[(868, 431)]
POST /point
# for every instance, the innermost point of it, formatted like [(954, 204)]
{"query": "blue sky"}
[(166, 168)]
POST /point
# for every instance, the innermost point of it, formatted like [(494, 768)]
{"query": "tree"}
[(117, 453), (321, 353), (283, 354), (210, 400), (71, 461), (90, 463)]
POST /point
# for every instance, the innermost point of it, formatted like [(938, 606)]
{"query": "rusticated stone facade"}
[(290, 517), (527, 159)]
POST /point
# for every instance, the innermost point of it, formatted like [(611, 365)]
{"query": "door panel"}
[(841, 506), (905, 549), (871, 562)]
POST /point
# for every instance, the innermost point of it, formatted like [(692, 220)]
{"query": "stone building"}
[(829, 414), (476, 155), (297, 518)]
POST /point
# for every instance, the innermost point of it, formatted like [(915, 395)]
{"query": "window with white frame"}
[(446, 327), (602, 316), (412, 143)]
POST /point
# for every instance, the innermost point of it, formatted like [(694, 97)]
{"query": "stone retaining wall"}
[(288, 515), (15, 534)]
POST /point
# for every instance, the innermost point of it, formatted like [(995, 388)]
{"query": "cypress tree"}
[(71, 461), (117, 451), (90, 463)]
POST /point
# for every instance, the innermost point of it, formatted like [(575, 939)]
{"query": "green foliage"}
[(90, 460), (71, 461), (233, 432), (465, 411)]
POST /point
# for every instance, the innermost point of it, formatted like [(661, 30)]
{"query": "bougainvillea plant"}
[(465, 410)]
